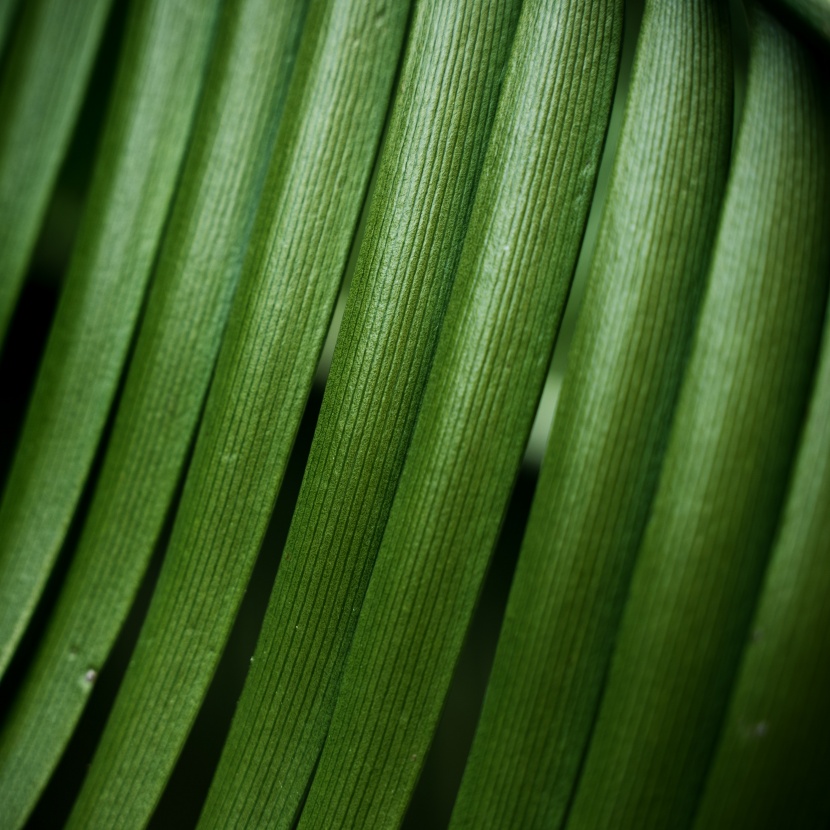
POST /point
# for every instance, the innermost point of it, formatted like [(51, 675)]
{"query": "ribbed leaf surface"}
[(334, 114), (732, 444), (199, 262), (493, 352), (145, 138), (428, 173), (600, 469)]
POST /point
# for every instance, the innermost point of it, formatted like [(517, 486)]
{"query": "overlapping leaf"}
[(195, 278), (144, 141), (514, 274)]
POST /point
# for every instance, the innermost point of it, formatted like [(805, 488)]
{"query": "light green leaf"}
[(723, 483), (612, 423), (305, 223), (41, 89), (428, 174), (515, 271)]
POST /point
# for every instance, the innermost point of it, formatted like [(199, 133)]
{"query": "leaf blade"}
[(143, 144), (334, 114), (612, 422), (732, 443), (429, 169), (40, 94), (492, 355)]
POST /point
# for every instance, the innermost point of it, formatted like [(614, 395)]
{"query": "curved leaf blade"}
[(504, 311), (612, 423), (723, 483), (334, 115), (773, 760), (144, 141), (41, 90), (168, 376), (428, 173)]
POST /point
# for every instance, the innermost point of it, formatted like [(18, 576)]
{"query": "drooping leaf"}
[(612, 422), (145, 138), (514, 274), (311, 203), (428, 173), (41, 89), (723, 483)]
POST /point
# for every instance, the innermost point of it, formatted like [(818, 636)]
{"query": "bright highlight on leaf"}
[(662, 658)]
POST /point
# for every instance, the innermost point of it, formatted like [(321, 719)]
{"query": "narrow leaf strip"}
[(432, 157), (145, 138), (492, 355), (41, 90), (612, 422), (697, 576), (200, 259), (772, 766), (305, 223)]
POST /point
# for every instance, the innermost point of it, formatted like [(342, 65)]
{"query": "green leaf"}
[(144, 141), (199, 262), (612, 423), (428, 174), (305, 223), (732, 443), (773, 760), (515, 271), (41, 90)]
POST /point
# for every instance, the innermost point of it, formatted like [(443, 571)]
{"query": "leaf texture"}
[(41, 89), (722, 487), (514, 274), (334, 115), (612, 422), (144, 141), (199, 262), (773, 760), (428, 173)]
